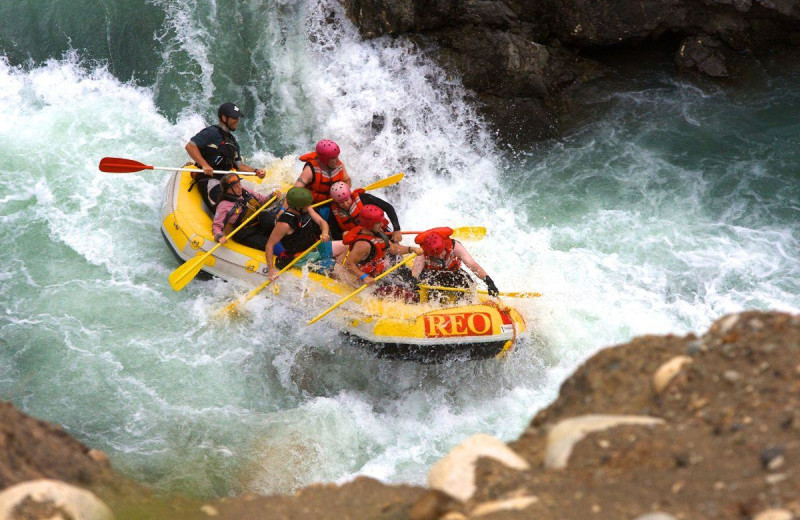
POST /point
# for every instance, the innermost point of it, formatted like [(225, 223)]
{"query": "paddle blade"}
[(388, 181), (120, 165), (469, 233), (180, 277)]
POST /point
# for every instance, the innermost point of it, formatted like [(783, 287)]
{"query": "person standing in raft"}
[(322, 168), (297, 228), (346, 207), (441, 261), (235, 206), (368, 246), (215, 148)]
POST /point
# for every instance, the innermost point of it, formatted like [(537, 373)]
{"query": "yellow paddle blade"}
[(180, 277), (469, 233), (388, 181)]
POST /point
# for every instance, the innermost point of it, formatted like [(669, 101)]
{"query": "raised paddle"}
[(234, 306), (463, 233), (337, 304), (119, 165), (184, 274), (388, 181), (461, 289)]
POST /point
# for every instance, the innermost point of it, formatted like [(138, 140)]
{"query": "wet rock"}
[(703, 54), (667, 372), (51, 499), (455, 473), (568, 432)]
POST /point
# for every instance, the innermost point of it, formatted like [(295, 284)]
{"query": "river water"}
[(667, 203)]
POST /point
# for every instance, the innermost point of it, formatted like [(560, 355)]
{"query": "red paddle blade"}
[(119, 165)]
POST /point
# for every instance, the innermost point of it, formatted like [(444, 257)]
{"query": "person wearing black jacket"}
[(215, 148)]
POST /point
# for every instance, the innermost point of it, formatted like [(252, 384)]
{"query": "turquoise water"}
[(668, 203)]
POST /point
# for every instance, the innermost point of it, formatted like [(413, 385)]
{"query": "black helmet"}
[(229, 110)]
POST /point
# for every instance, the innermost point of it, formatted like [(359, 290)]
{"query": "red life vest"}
[(321, 176), (375, 262), (347, 218), (450, 262)]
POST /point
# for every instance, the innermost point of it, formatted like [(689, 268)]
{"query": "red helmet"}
[(433, 244), (327, 150), (340, 192), (370, 215)]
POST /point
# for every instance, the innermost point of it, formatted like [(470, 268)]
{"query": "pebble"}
[(512, 504), (667, 372), (656, 516), (772, 458), (727, 323), (209, 510), (731, 376)]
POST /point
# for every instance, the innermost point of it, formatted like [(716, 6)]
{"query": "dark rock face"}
[(522, 57)]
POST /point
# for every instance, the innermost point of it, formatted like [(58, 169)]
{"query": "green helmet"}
[(298, 198)]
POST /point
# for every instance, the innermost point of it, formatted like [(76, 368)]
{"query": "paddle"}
[(460, 289), (119, 165), (463, 233), (184, 274), (233, 306), (388, 181), (337, 304)]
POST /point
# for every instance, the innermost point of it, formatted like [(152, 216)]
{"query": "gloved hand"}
[(493, 290)]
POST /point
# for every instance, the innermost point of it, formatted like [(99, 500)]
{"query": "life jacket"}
[(322, 178), (347, 218), (223, 156), (243, 208), (305, 232), (450, 262), (375, 262)]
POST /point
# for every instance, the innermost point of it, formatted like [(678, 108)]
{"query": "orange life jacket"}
[(375, 262), (321, 176), (450, 262), (347, 218)]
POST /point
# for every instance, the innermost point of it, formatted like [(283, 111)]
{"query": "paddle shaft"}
[(357, 291), (296, 259), (388, 181), (191, 267), (121, 165), (460, 289)]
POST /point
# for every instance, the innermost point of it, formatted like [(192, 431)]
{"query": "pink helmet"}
[(370, 215), (340, 192), (327, 150)]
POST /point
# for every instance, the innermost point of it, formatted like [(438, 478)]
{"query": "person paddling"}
[(346, 207), (441, 261), (322, 168), (368, 246), (215, 148), (297, 228), (235, 206)]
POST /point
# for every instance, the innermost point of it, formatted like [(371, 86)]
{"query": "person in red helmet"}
[(322, 168), (440, 263), (346, 206), (368, 246)]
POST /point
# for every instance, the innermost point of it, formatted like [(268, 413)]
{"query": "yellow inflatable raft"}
[(425, 332)]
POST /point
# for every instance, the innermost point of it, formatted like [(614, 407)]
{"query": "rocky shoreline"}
[(523, 59), (661, 428)]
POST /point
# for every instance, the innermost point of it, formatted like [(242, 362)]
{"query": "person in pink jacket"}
[(236, 204)]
